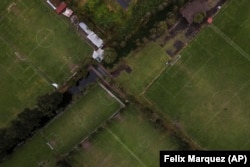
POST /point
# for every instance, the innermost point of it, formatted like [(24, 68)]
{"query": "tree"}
[(110, 55), (31, 118), (161, 27), (199, 17), (62, 163), (3, 144), (171, 18), (49, 103), (123, 44)]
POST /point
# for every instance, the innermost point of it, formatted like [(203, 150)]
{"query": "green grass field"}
[(65, 131), (129, 140), (208, 89), (145, 64), (37, 48)]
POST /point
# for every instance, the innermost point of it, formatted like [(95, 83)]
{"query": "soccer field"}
[(145, 64), (37, 48), (208, 90), (129, 140), (65, 131)]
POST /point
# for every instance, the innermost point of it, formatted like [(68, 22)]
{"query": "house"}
[(98, 42), (98, 55), (190, 10), (61, 8), (68, 12)]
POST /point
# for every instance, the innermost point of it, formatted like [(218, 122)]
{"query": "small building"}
[(210, 20), (68, 12), (98, 42), (190, 10), (98, 54), (85, 28), (61, 8)]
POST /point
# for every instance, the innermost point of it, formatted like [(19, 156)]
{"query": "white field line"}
[(120, 142), (231, 17), (112, 95), (215, 115), (38, 44), (32, 76), (230, 41), (196, 74), (10, 74), (165, 90), (182, 63), (245, 144)]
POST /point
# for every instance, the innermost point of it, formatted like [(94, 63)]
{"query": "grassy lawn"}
[(146, 64), (67, 130), (19, 85), (42, 38), (37, 47), (208, 89), (129, 140), (235, 23)]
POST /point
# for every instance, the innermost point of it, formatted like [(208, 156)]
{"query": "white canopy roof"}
[(98, 54), (85, 28), (95, 39)]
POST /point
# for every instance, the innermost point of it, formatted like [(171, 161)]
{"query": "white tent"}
[(98, 55), (55, 85), (95, 40), (85, 28)]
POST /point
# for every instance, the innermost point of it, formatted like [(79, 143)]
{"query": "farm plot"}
[(207, 91), (37, 48), (65, 131), (129, 140), (146, 64)]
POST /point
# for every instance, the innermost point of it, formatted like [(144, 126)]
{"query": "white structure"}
[(55, 85), (51, 5), (98, 42), (85, 28), (98, 54), (68, 12)]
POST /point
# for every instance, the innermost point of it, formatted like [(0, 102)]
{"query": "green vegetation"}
[(207, 90), (28, 121), (109, 15), (110, 55), (20, 84), (146, 64), (115, 146), (199, 17), (67, 130), (117, 25), (36, 48), (234, 22)]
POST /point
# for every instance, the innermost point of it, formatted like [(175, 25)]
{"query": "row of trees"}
[(28, 121)]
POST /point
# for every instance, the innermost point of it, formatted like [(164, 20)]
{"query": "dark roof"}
[(191, 9), (61, 8)]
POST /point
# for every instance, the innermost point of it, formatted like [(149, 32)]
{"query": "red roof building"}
[(209, 20), (61, 8)]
